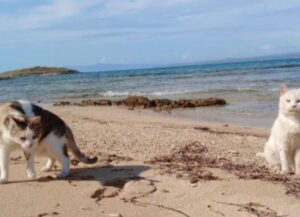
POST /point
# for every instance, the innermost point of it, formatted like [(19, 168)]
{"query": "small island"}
[(38, 70)]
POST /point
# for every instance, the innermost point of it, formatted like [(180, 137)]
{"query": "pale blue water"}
[(251, 88)]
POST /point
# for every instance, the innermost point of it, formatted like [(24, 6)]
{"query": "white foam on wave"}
[(155, 93), (176, 92)]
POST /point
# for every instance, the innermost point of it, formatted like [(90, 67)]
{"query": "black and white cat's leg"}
[(4, 164), (49, 164), (63, 157), (30, 170), (57, 149)]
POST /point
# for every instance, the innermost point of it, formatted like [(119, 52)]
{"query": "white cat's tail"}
[(78, 154), (260, 154)]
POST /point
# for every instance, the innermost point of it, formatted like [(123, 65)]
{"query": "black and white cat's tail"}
[(78, 154)]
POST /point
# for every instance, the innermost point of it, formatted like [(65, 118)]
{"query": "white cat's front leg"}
[(284, 161), (4, 164), (30, 166), (297, 162)]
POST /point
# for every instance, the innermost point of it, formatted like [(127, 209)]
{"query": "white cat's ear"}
[(283, 89)]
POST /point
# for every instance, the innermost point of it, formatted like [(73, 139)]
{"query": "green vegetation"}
[(38, 70)]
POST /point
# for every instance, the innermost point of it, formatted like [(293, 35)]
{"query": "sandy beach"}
[(151, 165)]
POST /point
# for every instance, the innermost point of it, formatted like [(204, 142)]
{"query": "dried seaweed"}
[(192, 160), (187, 163)]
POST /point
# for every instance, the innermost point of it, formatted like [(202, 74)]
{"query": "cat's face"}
[(290, 101), (25, 131)]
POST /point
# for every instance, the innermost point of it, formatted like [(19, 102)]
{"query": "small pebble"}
[(194, 185), (114, 215)]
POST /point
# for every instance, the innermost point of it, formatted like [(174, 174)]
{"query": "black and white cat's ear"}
[(20, 120), (283, 89)]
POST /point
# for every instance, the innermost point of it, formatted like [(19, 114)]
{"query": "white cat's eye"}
[(298, 101), (288, 100)]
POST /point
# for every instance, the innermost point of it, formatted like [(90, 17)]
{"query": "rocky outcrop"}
[(38, 70), (143, 102)]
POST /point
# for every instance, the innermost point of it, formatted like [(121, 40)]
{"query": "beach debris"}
[(253, 208), (202, 128), (229, 132), (15, 158), (98, 194), (113, 215), (192, 161), (143, 102), (48, 214), (106, 192)]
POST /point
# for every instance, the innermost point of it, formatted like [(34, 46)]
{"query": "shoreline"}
[(209, 114)]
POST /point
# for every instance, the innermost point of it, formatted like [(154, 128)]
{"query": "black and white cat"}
[(36, 131)]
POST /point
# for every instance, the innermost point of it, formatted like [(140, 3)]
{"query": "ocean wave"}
[(286, 66), (178, 92), (155, 93)]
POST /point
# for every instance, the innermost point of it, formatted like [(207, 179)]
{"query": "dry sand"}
[(132, 179)]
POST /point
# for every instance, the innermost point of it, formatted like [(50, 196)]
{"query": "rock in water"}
[(155, 104)]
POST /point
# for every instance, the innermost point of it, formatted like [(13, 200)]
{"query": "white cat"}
[(35, 130), (282, 150)]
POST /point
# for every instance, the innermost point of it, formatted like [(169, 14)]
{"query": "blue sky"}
[(84, 32)]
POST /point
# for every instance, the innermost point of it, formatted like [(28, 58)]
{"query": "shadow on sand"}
[(109, 175)]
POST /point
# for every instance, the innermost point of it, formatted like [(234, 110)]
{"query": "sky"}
[(86, 32)]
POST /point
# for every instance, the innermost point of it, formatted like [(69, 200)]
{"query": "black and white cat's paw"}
[(31, 174), (62, 174), (46, 169)]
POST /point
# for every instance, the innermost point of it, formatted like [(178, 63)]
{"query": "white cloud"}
[(62, 19), (185, 55), (266, 47), (103, 60), (45, 15)]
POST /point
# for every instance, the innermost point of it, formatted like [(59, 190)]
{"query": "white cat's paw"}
[(31, 174), (284, 172), (45, 169), (62, 174), (3, 180)]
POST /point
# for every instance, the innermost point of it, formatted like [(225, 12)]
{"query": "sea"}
[(251, 88)]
